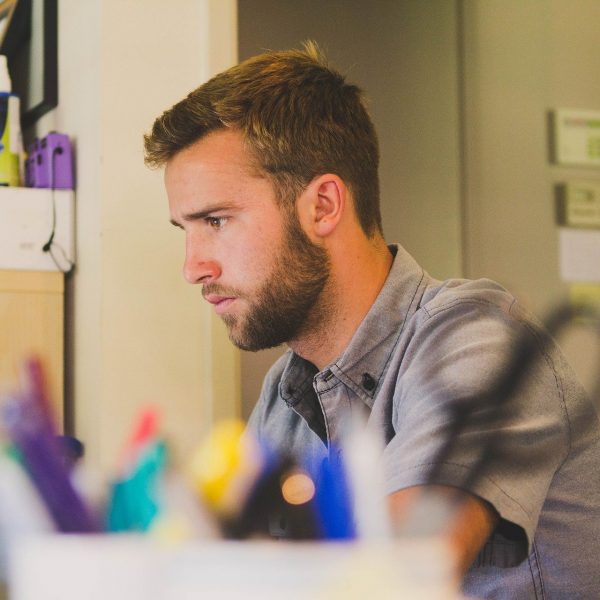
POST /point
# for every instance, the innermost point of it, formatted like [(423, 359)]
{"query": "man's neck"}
[(356, 280)]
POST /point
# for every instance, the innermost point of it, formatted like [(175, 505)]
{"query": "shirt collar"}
[(365, 360), (363, 363)]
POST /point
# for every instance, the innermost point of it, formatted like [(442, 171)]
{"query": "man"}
[(271, 171)]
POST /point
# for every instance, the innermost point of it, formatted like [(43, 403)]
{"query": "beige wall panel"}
[(31, 323), (137, 334)]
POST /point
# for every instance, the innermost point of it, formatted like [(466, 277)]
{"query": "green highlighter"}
[(135, 500)]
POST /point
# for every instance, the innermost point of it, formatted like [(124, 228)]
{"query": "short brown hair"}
[(299, 118)]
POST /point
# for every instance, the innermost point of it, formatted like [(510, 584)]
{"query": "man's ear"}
[(322, 205)]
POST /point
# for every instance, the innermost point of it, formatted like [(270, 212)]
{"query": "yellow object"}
[(225, 466), (586, 294), (172, 530), (11, 142)]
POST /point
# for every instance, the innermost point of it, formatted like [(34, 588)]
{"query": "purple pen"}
[(30, 426)]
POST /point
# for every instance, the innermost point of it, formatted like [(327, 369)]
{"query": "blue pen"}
[(333, 498)]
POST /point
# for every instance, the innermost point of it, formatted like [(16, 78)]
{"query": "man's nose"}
[(198, 266)]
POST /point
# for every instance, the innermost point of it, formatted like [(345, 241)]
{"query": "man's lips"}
[(221, 303)]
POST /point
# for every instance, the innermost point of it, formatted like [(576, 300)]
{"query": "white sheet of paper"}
[(579, 255)]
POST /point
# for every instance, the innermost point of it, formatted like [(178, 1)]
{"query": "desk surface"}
[(133, 568)]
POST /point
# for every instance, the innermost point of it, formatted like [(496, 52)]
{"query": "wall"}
[(522, 59), (404, 54), (137, 333), (460, 92)]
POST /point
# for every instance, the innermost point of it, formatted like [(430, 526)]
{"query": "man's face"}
[(256, 265)]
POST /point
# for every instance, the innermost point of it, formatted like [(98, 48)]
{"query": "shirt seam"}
[(466, 467), (325, 421), (336, 383), (534, 555), (557, 382), (452, 303)]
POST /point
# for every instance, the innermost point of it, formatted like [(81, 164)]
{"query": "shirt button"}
[(327, 375), (368, 382)]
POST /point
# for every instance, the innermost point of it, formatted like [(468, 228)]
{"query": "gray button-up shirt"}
[(423, 346)]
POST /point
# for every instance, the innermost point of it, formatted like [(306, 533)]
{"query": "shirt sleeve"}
[(456, 352)]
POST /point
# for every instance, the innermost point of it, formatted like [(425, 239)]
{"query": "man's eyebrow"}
[(202, 214)]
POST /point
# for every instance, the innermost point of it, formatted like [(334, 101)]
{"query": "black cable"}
[(487, 408), (47, 247)]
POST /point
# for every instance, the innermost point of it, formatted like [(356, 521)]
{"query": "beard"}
[(290, 302)]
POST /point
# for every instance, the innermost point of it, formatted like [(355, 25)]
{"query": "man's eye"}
[(216, 222)]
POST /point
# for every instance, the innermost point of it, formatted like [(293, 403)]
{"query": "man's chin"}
[(246, 344), (250, 343), (236, 334)]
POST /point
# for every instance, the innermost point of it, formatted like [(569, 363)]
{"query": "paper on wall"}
[(579, 255)]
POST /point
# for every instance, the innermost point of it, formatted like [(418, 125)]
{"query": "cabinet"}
[(32, 321), (31, 286)]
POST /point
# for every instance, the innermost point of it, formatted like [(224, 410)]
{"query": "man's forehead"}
[(222, 150)]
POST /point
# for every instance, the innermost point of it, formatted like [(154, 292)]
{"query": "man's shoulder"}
[(443, 295), (428, 295)]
